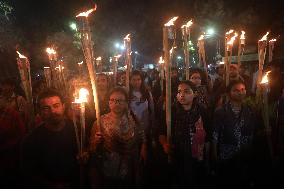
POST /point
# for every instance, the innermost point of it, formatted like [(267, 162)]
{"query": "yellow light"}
[(264, 38), (83, 93), (50, 51), (86, 13), (20, 55), (171, 22), (265, 78), (161, 61)]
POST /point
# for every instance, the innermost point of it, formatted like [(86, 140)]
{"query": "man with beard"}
[(233, 133), (49, 152)]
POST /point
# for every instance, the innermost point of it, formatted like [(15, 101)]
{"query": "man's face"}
[(185, 94), (196, 79), (136, 81), (233, 71), (238, 92), (52, 110), (117, 103), (102, 82)]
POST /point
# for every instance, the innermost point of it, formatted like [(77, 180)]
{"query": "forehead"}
[(50, 101), (238, 86), (195, 74), (102, 77), (117, 95), (136, 77), (183, 86)]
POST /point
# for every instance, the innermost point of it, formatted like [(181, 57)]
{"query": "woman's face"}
[(117, 103), (185, 94), (196, 79), (136, 82)]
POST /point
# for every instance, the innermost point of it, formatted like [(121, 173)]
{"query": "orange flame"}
[(21, 56), (243, 35), (161, 60), (86, 14), (99, 58), (229, 32), (231, 41), (46, 67), (83, 93), (127, 37), (265, 78), (272, 40), (171, 51), (80, 63), (171, 22), (50, 51), (188, 24), (264, 38)]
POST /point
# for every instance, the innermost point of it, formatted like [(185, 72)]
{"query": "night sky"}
[(113, 19)]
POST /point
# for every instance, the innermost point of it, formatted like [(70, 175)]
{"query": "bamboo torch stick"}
[(168, 72), (47, 76), (229, 50), (271, 48), (99, 64), (186, 37), (241, 48), (201, 53), (127, 45), (162, 73), (226, 61), (87, 46), (115, 64)]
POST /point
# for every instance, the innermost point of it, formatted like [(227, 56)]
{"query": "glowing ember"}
[(229, 32), (50, 51), (161, 61), (171, 51), (171, 22), (80, 63), (243, 35), (264, 38), (188, 24), (86, 14), (231, 41), (20, 55), (265, 78), (272, 40), (83, 93), (201, 37), (127, 37), (99, 58), (46, 67)]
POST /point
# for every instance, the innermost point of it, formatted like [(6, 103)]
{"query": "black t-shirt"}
[(51, 155)]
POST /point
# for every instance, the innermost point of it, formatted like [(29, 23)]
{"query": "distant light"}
[(117, 45), (151, 66), (110, 59), (122, 47), (38, 75), (179, 57), (73, 26), (136, 52), (210, 31)]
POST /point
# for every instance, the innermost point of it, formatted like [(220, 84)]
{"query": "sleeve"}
[(217, 125), (207, 123)]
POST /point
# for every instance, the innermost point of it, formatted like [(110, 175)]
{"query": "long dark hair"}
[(144, 91)]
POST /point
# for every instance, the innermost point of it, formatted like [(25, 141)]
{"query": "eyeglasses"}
[(116, 101)]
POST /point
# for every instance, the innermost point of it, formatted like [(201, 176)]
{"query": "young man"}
[(233, 134), (49, 152)]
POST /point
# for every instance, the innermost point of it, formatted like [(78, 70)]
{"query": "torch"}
[(87, 46), (52, 57), (186, 37), (201, 52), (47, 76), (226, 76), (229, 50), (128, 63), (25, 74), (166, 28), (271, 48), (241, 48), (80, 68), (99, 64), (115, 64), (162, 73)]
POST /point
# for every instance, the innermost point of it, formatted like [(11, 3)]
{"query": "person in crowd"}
[(232, 139), (116, 145), (121, 79), (49, 154), (12, 131), (14, 100), (189, 143), (103, 88), (219, 79)]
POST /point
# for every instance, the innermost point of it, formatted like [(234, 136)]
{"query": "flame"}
[(161, 60), (83, 93), (20, 55), (229, 32), (201, 38), (86, 14), (243, 35), (80, 63), (265, 78), (231, 41), (171, 51), (171, 22), (264, 38), (188, 24), (99, 58), (117, 56), (272, 40), (221, 63), (127, 37), (50, 51), (46, 67)]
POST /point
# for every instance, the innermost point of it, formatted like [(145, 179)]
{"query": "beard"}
[(55, 119)]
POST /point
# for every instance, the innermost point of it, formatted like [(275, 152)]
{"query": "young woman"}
[(116, 145)]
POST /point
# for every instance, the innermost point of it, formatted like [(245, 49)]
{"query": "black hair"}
[(144, 91), (119, 90), (234, 83), (49, 93), (188, 83)]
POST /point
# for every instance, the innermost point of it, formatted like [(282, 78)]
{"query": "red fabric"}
[(198, 141)]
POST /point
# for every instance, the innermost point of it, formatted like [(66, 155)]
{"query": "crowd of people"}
[(218, 138)]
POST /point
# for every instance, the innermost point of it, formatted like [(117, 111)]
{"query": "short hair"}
[(49, 93), (120, 90), (188, 83), (234, 83)]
